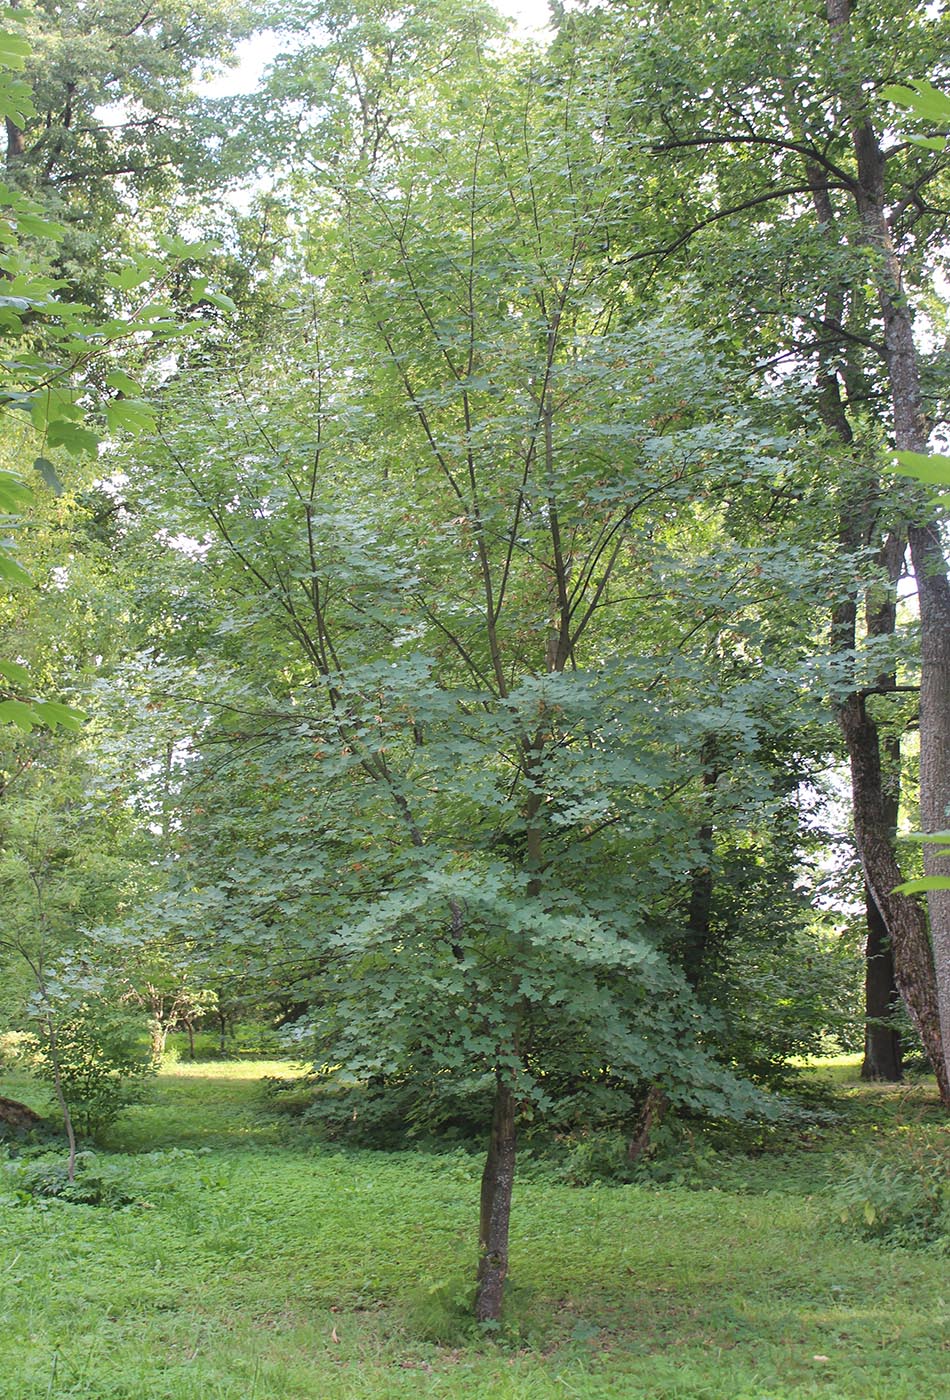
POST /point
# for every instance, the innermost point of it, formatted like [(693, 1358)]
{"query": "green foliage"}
[(37, 1180), (440, 1311), (675, 1155), (925, 103), (100, 1060), (898, 1194), (466, 612), (393, 1112)]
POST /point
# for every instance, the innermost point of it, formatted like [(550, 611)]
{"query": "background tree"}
[(775, 149)]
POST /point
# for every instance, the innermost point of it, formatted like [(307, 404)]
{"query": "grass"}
[(259, 1265)]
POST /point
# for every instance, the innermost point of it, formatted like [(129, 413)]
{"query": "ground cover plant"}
[(245, 1257)]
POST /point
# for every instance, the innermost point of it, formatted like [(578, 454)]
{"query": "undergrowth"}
[(226, 1252)]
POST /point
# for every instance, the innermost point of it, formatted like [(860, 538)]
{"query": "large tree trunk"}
[(911, 433), (934, 595), (882, 1043), (903, 916), (497, 1183)]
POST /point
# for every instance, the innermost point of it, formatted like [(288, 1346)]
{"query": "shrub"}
[(675, 1156), (902, 1199), (46, 1178), (101, 1060), (393, 1111)]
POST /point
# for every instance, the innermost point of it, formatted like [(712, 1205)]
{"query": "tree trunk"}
[(903, 916), (16, 145), (497, 1183), (882, 1044), (654, 1106), (158, 1034), (934, 594)]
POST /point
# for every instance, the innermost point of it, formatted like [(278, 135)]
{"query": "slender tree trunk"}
[(61, 1098), (654, 1106), (696, 942), (158, 1034), (882, 1044), (497, 1184)]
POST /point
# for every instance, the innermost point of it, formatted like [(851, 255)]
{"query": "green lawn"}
[(259, 1265)]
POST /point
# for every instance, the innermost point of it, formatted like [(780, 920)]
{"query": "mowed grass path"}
[(260, 1266)]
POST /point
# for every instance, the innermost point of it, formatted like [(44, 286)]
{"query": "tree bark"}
[(882, 1044), (16, 144), (654, 1106), (158, 1034), (934, 595), (497, 1184), (903, 916)]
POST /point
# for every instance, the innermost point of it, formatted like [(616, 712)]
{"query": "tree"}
[(442, 564), (775, 128), (117, 141)]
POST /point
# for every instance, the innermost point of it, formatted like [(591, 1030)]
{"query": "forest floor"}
[(255, 1263)]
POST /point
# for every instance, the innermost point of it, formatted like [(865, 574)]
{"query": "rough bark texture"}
[(497, 1183), (934, 594), (882, 1044)]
